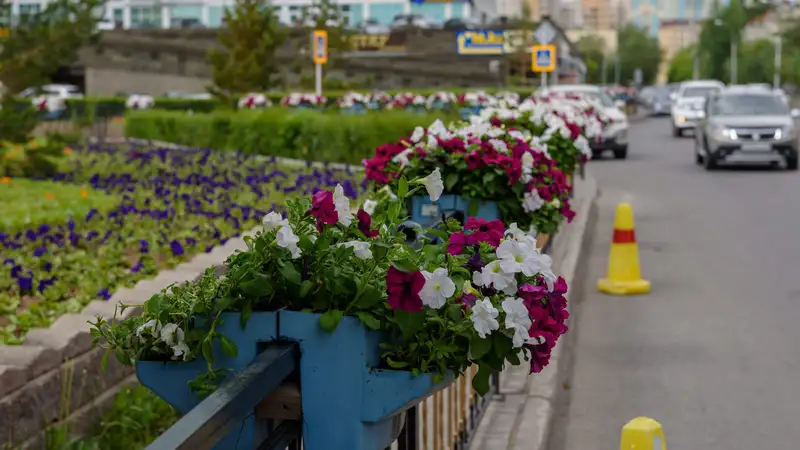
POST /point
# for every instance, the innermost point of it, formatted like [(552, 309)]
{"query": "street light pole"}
[(696, 53), (734, 59), (776, 81)]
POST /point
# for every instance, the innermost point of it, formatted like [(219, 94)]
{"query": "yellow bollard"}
[(624, 275), (642, 433)]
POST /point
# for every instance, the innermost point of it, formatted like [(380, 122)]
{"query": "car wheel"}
[(621, 153), (677, 132), (791, 163), (698, 158), (709, 162)]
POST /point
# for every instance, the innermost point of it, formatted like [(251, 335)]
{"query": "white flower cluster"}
[(351, 99), (170, 334), (296, 99), (140, 101), (440, 97), (254, 100)]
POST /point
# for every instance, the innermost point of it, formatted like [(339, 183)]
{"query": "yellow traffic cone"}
[(642, 433), (624, 276)]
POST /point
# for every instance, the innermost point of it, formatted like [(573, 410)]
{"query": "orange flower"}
[(67, 151), (49, 195), (5, 180), (84, 194)]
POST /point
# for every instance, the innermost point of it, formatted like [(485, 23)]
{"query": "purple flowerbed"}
[(173, 203)]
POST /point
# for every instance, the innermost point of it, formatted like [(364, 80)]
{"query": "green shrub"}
[(300, 134)]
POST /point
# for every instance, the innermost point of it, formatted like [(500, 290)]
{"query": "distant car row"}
[(738, 124)]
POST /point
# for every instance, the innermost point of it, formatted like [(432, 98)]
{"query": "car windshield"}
[(749, 105), (699, 91), (603, 98)]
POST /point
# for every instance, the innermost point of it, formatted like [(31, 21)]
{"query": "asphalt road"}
[(713, 352)]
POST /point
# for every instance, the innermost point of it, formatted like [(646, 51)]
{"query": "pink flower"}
[(323, 208), (483, 231), (403, 289), (455, 245), (365, 223)]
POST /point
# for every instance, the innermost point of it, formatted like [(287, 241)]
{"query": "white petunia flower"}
[(546, 270), (171, 334), (369, 206), (432, 143), (484, 317), (342, 204), (517, 319), (180, 350), (492, 275), (360, 248), (151, 327), (417, 134), (437, 289), (434, 184), (532, 201), (288, 240), (527, 161), (402, 157), (517, 257), (273, 220), (499, 145)]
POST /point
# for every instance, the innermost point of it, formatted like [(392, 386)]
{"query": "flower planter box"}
[(347, 404), (469, 111), (354, 110), (426, 212)]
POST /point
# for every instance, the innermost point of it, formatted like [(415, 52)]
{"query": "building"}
[(209, 13)]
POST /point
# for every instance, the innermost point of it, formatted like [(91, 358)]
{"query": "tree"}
[(756, 62), (718, 33), (681, 65), (250, 40), (44, 41), (593, 49), (638, 50)]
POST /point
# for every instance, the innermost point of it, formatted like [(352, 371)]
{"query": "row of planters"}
[(90, 109), (383, 319)]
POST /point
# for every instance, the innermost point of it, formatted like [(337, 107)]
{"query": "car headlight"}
[(788, 132), (725, 134)]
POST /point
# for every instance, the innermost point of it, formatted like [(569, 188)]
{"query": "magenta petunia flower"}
[(365, 223), (456, 244), (403, 289), (483, 231), (323, 208)]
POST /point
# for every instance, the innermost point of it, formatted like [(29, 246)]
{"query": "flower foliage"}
[(482, 161), (482, 295)]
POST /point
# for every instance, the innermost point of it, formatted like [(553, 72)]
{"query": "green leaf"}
[(104, 361), (488, 178), (208, 352), (122, 357), (306, 244), (404, 265), (480, 382), (305, 288), (502, 344), (478, 347), (474, 206), (330, 320), (228, 346), (396, 364), (369, 320), (450, 181), (513, 358), (290, 273), (247, 310), (402, 188), (410, 323), (370, 297)]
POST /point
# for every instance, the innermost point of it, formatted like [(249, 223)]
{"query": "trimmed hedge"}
[(300, 134)]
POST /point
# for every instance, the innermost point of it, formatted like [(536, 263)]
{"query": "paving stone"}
[(68, 335)]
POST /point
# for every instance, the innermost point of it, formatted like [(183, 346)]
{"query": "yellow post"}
[(624, 276), (642, 433)]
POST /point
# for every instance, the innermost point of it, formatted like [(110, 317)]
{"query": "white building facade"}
[(209, 13)]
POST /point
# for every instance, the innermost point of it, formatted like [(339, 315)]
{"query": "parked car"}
[(412, 20), (688, 104), (373, 26), (461, 23), (746, 125), (615, 135)]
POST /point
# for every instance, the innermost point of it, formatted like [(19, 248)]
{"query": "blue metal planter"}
[(426, 212), (347, 404), (354, 110), (470, 111)]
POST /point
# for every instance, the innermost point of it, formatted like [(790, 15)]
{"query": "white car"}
[(688, 104), (615, 134)]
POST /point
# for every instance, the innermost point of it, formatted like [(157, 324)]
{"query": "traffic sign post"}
[(543, 59), (319, 44)]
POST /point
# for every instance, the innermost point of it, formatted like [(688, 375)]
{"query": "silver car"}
[(746, 125)]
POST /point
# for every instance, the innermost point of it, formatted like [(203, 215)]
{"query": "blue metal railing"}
[(234, 401)]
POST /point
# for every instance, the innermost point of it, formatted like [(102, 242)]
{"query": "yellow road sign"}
[(543, 58), (320, 46)]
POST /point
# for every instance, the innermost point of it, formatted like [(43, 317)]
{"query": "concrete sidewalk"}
[(520, 418)]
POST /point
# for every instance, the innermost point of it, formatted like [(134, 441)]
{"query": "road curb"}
[(521, 417)]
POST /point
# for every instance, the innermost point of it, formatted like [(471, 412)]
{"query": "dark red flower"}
[(474, 160), (467, 300), (483, 231), (560, 286), (365, 223), (403, 289), (474, 263), (455, 246), (532, 294), (323, 208), (567, 211)]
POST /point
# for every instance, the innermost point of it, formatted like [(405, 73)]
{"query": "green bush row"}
[(300, 134)]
